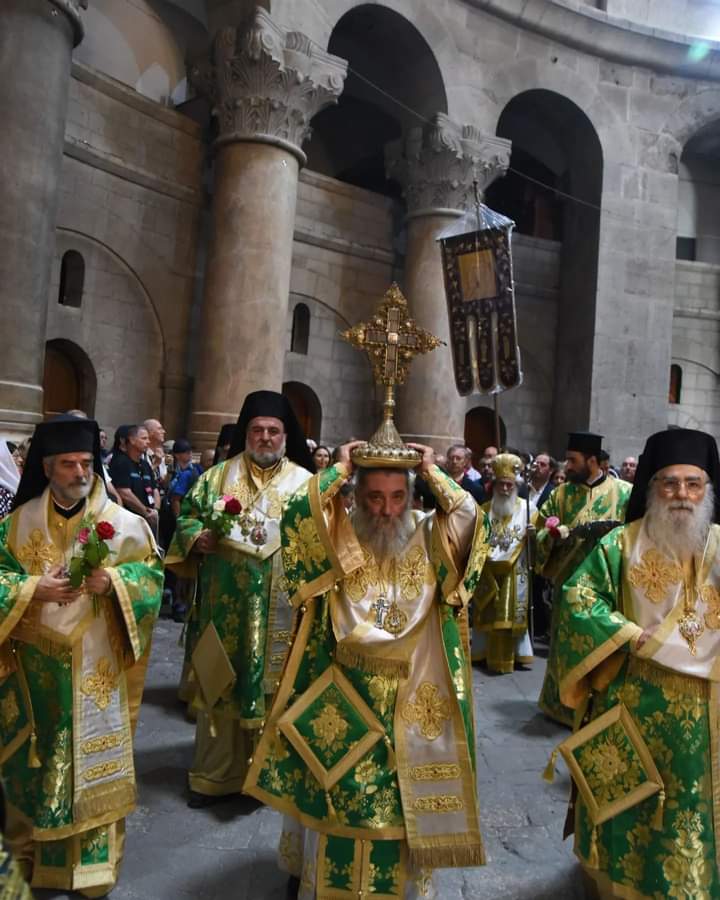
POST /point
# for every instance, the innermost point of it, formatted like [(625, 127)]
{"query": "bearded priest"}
[(501, 603), (369, 748), (640, 626), (68, 649), (570, 523), (244, 618)]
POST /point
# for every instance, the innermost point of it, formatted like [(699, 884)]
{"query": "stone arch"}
[(689, 117), (393, 77), (480, 430), (69, 379), (306, 406)]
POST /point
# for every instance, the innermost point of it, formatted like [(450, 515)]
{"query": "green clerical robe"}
[(665, 846), (243, 594), (67, 691), (574, 505), (370, 742)]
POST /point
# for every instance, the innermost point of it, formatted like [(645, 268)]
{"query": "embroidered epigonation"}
[(102, 770), (439, 803), (429, 711), (104, 742), (435, 772)]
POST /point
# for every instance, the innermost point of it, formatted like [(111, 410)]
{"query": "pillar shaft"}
[(266, 84), (36, 42), (437, 166)]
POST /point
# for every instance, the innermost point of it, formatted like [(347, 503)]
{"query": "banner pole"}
[(496, 412)]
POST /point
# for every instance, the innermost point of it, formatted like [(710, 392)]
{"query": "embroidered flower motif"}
[(429, 711), (654, 575), (329, 728)]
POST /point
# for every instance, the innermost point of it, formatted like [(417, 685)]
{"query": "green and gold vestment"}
[(573, 505), (243, 593), (380, 654), (65, 727), (665, 846)]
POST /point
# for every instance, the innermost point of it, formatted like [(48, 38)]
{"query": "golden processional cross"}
[(392, 340)]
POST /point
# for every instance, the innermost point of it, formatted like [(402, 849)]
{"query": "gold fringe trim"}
[(549, 773), (593, 859), (375, 665), (688, 685), (112, 796), (33, 758), (447, 857), (657, 822)]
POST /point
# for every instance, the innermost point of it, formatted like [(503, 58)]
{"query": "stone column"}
[(436, 165), (36, 42), (266, 85)]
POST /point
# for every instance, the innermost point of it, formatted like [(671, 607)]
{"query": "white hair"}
[(679, 527)]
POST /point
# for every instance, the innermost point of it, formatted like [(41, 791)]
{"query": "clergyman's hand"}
[(428, 457), (98, 582), (645, 636), (344, 456), (55, 587), (207, 542)]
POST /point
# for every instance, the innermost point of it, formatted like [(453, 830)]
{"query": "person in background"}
[(321, 457), (9, 479), (133, 477), (155, 453), (628, 469), (104, 451), (540, 482), (457, 458), (223, 443), (558, 475), (470, 470)]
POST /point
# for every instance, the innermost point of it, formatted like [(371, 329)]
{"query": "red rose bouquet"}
[(224, 515), (92, 549)]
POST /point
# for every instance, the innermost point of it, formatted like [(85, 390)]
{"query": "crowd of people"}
[(333, 603)]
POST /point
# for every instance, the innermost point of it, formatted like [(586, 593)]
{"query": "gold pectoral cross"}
[(388, 616)]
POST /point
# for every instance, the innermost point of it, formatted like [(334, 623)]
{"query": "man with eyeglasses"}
[(570, 523), (640, 626)]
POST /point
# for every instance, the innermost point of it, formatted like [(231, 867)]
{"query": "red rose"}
[(233, 507), (105, 531), (83, 535)]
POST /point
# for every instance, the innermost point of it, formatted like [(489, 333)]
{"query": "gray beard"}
[(677, 532), (68, 496), (385, 537), (503, 507), (268, 458)]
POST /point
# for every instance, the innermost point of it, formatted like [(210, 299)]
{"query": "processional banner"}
[(477, 266)]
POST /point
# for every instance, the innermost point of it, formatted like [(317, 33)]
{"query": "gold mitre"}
[(507, 465), (391, 340)]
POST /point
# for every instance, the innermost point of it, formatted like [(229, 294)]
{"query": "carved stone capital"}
[(266, 83), (71, 8), (438, 163)]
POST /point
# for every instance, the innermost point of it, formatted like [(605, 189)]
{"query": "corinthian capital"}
[(266, 83), (71, 8), (438, 163)]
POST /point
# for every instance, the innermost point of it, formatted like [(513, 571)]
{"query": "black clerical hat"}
[(224, 440), (674, 447), (270, 403), (61, 434), (585, 442)]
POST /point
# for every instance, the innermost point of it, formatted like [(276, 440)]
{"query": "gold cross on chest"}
[(391, 339)]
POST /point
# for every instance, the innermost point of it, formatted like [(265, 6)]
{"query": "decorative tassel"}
[(212, 728), (391, 761), (593, 859), (657, 822), (332, 815), (549, 773), (33, 758)]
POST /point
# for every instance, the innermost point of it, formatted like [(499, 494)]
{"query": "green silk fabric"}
[(672, 711), (569, 502)]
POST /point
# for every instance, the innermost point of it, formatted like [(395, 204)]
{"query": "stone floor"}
[(228, 851)]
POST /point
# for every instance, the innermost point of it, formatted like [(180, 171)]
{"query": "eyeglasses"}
[(692, 485)]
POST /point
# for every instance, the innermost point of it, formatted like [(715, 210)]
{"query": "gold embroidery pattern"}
[(711, 598), (366, 774), (439, 803), (610, 766), (36, 556), (358, 583), (430, 710), (101, 685), (424, 882), (102, 770), (435, 772), (329, 729), (654, 575), (9, 710), (411, 573), (290, 852), (102, 743), (242, 491), (382, 689), (686, 870), (303, 547)]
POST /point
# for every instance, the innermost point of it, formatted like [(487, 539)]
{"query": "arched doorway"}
[(69, 380), (480, 431), (306, 407)]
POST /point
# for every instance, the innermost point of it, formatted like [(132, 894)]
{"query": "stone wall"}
[(130, 204), (696, 346)]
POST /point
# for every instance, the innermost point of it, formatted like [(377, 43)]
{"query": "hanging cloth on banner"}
[(477, 266)]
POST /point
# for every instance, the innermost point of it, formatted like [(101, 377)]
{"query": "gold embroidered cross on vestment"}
[(101, 685), (655, 574), (429, 711), (36, 556)]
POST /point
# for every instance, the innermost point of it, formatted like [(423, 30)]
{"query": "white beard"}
[(503, 507), (266, 458), (679, 527), (385, 537)]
